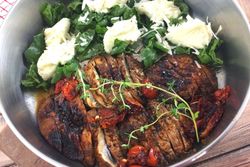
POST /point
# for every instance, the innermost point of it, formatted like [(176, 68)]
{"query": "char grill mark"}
[(61, 123), (113, 142), (151, 137), (210, 75), (47, 124), (173, 134), (146, 139), (186, 142), (131, 123), (190, 80), (115, 70), (178, 142)]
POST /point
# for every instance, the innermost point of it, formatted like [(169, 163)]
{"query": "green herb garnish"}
[(179, 103)]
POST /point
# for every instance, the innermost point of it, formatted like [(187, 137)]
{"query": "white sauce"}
[(126, 30), (158, 10), (60, 48), (193, 33), (102, 6)]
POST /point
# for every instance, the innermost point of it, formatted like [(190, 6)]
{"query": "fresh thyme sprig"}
[(82, 85), (142, 129), (179, 103)]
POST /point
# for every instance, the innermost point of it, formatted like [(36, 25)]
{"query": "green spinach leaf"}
[(83, 41), (52, 13), (131, 3), (183, 7), (83, 22), (182, 50), (75, 7), (208, 54), (149, 56), (32, 79), (160, 47), (93, 49), (176, 21), (35, 50), (66, 70), (119, 47)]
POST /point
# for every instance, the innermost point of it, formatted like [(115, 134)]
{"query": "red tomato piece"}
[(69, 89), (221, 95), (149, 93), (152, 158), (137, 155), (58, 87), (109, 117)]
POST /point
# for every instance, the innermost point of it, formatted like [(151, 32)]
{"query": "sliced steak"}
[(94, 80), (61, 123), (102, 153), (190, 78), (87, 147), (131, 95), (105, 72), (113, 142), (135, 69), (170, 130), (146, 138), (115, 68)]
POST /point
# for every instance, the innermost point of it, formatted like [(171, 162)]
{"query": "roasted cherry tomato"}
[(149, 93), (109, 117), (152, 158), (137, 155), (136, 150), (221, 95), (69, 89), (58, 87)]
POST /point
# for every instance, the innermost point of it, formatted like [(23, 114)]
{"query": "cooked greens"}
[(52, 13), (89, 28), (35, 50), (32, 54), (33, 80)]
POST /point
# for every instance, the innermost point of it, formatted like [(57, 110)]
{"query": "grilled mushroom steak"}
[(92, 130)]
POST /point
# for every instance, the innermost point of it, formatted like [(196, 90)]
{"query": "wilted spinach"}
[(52, 13), (93, 49), (66, 70), (33, 80), (208, 54), (149, 56), (119, 47), (83, 40), (183, 7), (182, 50), (35, 50), (75, 7)]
